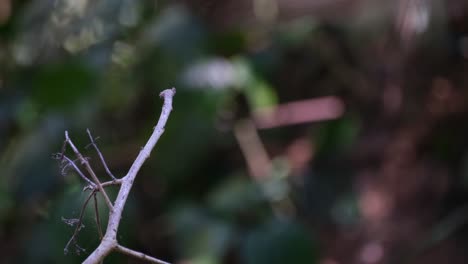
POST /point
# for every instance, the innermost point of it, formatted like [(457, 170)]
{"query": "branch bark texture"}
[(109, 241)]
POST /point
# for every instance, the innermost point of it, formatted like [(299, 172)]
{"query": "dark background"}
[(376, 170)]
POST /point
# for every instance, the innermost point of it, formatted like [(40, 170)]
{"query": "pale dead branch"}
[(109, 241)]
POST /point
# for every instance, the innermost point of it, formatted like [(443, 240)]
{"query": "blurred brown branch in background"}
[(259, 164)]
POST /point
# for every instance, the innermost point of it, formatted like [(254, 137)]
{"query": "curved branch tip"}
[(168, 92)]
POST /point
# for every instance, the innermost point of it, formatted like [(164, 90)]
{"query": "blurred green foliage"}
[(72, 65)]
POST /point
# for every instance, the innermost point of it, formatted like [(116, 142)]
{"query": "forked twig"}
[(109, 241), (72, 163), (100, 155), (79, 224), (90, 171), (104, 184)]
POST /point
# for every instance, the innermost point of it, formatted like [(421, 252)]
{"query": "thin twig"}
[(299, 112), (100, 155), (110, 183), (62, 152), (256, 156), (72, 163), (109, 241), (104, 184), (96, 215), (79, 223), (139, 255), (260, 164), (90, 171)]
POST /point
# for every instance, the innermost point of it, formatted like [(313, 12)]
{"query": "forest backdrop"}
[(303, 131)]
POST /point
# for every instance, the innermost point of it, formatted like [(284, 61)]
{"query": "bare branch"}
[(90, 171), (100, 155), (299, 112), (256, 156), (139, 255), (79, 225), (114, 182), (96, 215), (104, 184), (62, 152), (72, 163), (259, 163), (109, 241)]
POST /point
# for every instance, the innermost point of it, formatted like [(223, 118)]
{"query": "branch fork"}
[(109, 241)]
